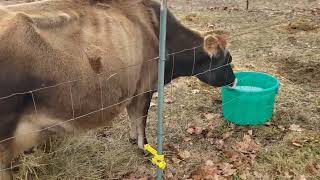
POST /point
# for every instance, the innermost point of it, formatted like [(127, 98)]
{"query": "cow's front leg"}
[(133, 132), (138, 111), (5, 158), (5, 173)]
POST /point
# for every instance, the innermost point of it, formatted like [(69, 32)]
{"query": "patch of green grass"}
[(285, 158)]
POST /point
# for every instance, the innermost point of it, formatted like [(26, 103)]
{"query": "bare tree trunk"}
[(247, 5)]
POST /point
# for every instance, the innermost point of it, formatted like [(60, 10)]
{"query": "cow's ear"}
[(211, 45), (222, 40), (214, 43)]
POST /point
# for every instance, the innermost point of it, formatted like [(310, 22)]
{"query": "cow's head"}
[(214, 66)]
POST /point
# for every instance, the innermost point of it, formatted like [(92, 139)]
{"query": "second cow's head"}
[(214, 66)]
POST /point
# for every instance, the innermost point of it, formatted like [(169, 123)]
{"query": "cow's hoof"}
[(144, 153), (29, 151), (147, 154), (6, 175), (133, 141)]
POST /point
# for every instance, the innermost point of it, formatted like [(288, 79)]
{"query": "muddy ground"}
[(277, 37)]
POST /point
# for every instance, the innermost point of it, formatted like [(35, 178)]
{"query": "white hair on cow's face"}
[(22, 142), (32, 125)]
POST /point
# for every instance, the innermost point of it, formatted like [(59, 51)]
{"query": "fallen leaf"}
[(227, 169), (130, 176), (209, 116), (257, 175), (297, 143), (247, 145), (175, 160), (244, 175), (176, 148), (187, 139), (192, 129), (169, 175), (210, 134), (144, 178), (287, 175), (209, 163), (166, 147), (211, 140), (206, 172), (219, 144), (214, 177), (232, 155), (302, 177), (185, 155), (212, 126), (169, 101), (312, 168), (296, 128), (215, 171), (198, 130), (282, 128), (227, 135)]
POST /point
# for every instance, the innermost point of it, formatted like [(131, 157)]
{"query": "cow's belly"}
[(71, 107), (87, 103), (33, 129), (91, 120)]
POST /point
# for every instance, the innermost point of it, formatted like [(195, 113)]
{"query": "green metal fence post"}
[(162, 58)]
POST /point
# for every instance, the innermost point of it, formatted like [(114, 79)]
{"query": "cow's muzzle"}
[(233, 85)]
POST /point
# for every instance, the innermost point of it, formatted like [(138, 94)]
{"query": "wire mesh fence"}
[(103, 79), (70, 91)]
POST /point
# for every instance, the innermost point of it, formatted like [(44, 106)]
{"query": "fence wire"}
[(113, 74)]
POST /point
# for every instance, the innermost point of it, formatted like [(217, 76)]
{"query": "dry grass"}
[(290, 50), (104, 154)]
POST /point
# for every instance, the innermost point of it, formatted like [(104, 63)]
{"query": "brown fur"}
[(103, 49), (58, 41), (214, 43)]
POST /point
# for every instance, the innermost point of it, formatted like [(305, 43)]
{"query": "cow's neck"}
[(180, 38)]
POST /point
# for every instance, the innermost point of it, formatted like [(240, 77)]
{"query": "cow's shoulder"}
[(15, 23), (19, 37)]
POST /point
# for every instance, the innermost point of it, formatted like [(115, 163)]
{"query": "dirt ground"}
[(277, 37)]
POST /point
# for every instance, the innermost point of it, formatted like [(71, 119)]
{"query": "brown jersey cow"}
[(73, 65)]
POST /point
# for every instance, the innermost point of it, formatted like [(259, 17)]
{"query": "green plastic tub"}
[(251, 102)]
